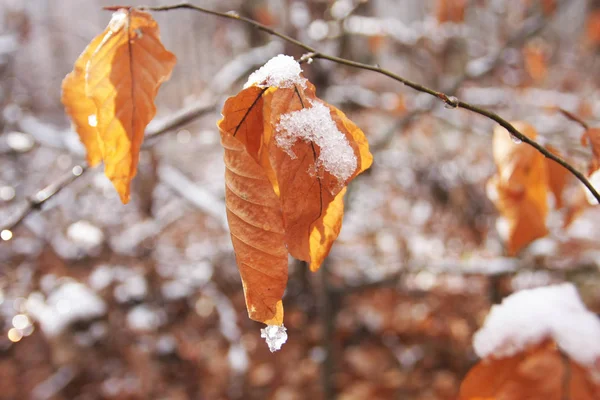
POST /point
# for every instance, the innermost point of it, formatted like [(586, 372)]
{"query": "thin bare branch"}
[(450, 101), (569, 115), (37, 200)]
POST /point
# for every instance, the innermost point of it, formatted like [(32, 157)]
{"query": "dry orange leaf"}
[(451, 10), (591, 137), (253, 210), (593, 27), (542, 373), (558, 176), (122, 70), (535, 62), (80, 108), (301, 153), (521, 184)]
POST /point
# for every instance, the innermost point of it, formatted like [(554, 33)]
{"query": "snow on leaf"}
[(528, 317), (538, 344), (275, 336), (315, 125), (281, 71)]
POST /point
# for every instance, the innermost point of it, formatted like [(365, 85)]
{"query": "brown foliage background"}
[(418, 224)]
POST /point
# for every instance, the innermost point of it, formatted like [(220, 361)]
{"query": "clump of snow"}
[(118, 20), (595, 181), (144, 319), (275, 336), (85, 235), (134, 287), (315, 125), (280, 71), (528, 317), (68, 303)]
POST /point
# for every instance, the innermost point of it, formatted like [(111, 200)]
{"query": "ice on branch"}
[(315, 125), (280, 71), (275, 336), (528, 317)]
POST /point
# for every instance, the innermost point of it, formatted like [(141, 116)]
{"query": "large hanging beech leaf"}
[(253, 210), (301, 153), (124, 67), (256, 227), (521, 185), (541, 373)]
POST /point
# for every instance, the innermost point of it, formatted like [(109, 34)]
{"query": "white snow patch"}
[(85, 235), (70, 302), (143, 319), (595, 181), (315, 125), (275, 336), (133, 287), (118, 20), (238, 358), (528, 317), (280, 71)]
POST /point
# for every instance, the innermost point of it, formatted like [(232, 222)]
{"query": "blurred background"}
[(104, 301)]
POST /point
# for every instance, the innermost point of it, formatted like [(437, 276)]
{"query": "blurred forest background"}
[(104, 301)]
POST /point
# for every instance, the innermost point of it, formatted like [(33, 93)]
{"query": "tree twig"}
[(569, 115), (450, 101), (37, 200)]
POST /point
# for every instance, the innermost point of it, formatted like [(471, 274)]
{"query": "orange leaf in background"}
[(535, 62), (289, 157), (80, 108), (591, 137), (558, 176), (521, 184), (451, 11), (124, 67), (542, 373), (592, 27)]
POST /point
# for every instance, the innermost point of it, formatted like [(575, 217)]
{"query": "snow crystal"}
[(70, 302), (595, 181), (275, 336), (315, 125), (528, 317), (281, 71)]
